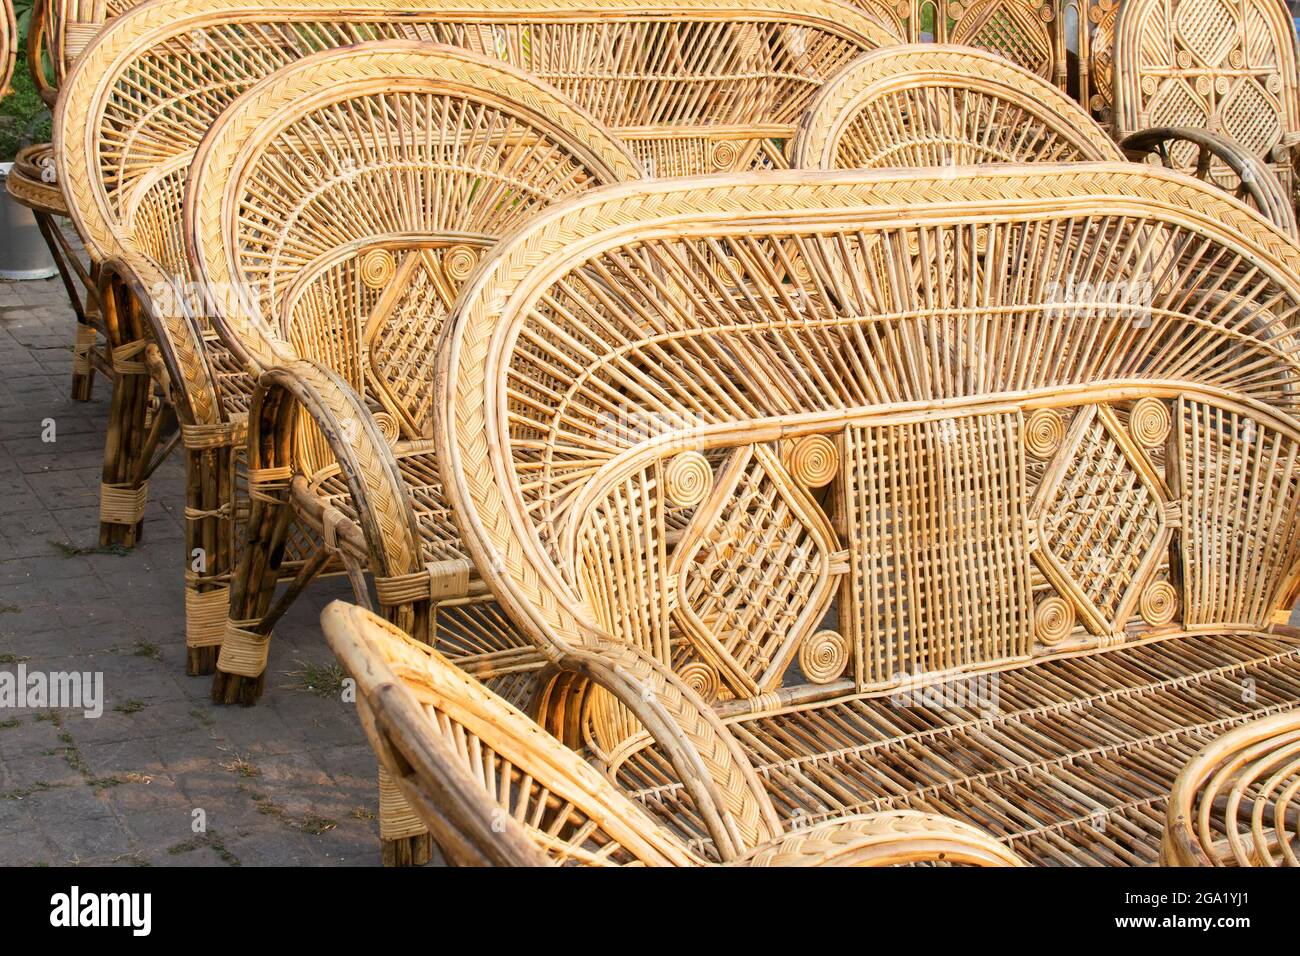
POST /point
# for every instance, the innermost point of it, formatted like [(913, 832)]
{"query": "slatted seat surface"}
[(1071, 764)]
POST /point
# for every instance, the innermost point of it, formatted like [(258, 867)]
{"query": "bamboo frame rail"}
[(925, 400), (1235, 803), (8, 46), (124, 160), (498, 790)]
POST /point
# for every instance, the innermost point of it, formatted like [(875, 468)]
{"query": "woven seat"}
[(1068, 762), (1015, 438), (1235, 804), (497, 790)]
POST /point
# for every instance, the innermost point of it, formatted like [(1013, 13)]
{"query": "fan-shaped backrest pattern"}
[(335, 210), (693, 85), (929, 105), (768, 396)]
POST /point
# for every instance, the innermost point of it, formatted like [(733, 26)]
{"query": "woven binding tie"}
[(396, 818), (439, 581), (243, 652), (269, 484), (81, 349), (128, 358), (122, 504), (214, 435), (205, 616)]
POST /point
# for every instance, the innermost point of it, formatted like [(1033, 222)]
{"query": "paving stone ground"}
[(290, 781)]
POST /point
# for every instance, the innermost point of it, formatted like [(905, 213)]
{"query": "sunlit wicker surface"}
[(342, 255), (934, 105), (1237, 803), (497, 789), (126, 144), (1229, 68), (937, 105), (865, 432)]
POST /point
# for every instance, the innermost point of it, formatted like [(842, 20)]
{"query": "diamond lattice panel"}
[(1207, 28), (1101, 519), (754, 571)]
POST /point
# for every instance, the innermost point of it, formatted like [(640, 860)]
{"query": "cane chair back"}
[(135, 112), (8, 46), (1024, 32), (688, 77), (1229, 68), (923, 105), (496, 789), (60, 31), (335, 210), (989, 419)]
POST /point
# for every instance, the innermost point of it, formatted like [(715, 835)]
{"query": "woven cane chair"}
[(498, 790), (969, 492), (945, 105), (8, 46), (1238, 802), (340, 225), (1225, 69), (58, 32), (937, 105), (125, 146)]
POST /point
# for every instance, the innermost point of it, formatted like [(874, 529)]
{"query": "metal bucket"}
[(23, 253)]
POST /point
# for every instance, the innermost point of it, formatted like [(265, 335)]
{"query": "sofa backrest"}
[(831, 433)]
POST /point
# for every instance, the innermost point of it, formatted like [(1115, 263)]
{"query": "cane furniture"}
[(125, 147), (1229, 69), (333, 212), (1238, 802), (923, 105), (971, 493), (58, 31), (498, 790), (690, 85), (8, 46), (1026, 32)]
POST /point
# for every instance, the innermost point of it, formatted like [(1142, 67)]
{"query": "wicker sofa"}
[(904, 523)]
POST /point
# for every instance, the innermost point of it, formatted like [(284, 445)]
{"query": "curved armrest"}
[(363, 454), (706, 757), (1258, 183), (192, 388), (884, 839)]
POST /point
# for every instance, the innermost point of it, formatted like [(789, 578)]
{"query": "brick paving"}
[(288, 782)]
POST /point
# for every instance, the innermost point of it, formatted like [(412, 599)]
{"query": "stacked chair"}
[(689, 388), (58, 32)]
